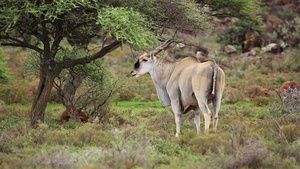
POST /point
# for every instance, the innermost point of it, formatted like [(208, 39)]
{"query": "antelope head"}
[(146, 61)]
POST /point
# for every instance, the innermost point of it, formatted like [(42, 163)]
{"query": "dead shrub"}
[(291, 99), (256, 90), (253, 154)]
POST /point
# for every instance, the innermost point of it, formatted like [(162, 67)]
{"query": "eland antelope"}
[(184, 85)]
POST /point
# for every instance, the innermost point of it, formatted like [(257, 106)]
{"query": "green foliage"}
[(132, 26), (4, 76), (235, 35), (167, 148), (243, 9)]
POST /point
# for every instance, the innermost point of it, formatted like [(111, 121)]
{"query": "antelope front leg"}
[(197, 120), (177, 114), (178, 123)]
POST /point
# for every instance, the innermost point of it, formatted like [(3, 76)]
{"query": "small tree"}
[(97, 86)]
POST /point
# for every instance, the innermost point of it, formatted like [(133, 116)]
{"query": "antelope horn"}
[(161, 47)]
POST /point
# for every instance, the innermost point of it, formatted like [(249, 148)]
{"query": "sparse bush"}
[(164, 123), (291, 99), (252, 154), (261, 101), (39, 135), (290, 103), (132, 148), (88, 134), (286, 127), (293, 151), (203, 144), (15, 93), (233, 98), (291, 132), (14, 137), (234, 78), (289, 62), (254, 77)]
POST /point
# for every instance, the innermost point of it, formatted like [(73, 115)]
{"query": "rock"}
[(229, 49)]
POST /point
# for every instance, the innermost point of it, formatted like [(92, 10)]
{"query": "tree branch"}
[(70, 63), (57, 39), (19, 43)]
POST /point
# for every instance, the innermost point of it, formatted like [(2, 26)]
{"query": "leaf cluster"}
[(132, 26)]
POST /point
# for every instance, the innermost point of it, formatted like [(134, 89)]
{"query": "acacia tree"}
[(42, 26)]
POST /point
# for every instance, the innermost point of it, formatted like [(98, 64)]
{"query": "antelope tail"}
[(214, 78)]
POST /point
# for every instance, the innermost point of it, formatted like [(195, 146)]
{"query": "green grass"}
[(138, 104)]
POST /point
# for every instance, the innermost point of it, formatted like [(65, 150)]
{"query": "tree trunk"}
[(42, 96), (73, 82)]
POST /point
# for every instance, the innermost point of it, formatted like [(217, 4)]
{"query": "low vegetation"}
[(257, 128)]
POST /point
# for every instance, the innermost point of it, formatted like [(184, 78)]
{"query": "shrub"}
[(253, 154), (164, 123), (166, 147), (126, 96), (289, 62), (88, 134), (261, 101), (211, 143), (15, 93), (290, 103), (291, 132), (233, 98), (293, 151), (291, 99), (285, 127), (256, 90), (235, 35)]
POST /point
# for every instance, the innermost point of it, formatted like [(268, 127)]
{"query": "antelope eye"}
[(145, 60)]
